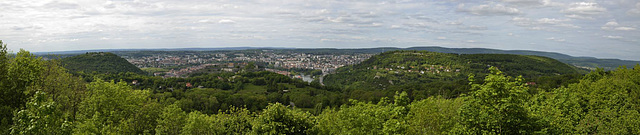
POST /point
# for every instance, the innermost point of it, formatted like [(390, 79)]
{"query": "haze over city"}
[(597, 28)]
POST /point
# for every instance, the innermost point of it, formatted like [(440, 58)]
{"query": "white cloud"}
[(204, 21), (620, 38), (574, 16), (226, 21), (474, 27), (532, 3), (505, 24), (521, 19), (535, 28), (551, 4), (61, 5), (635, 11), (613, 37), (556, 39), (542, 23), (583, 10), (550, 21), (625, 28), (524, 2), (613, 25), (489, 10)]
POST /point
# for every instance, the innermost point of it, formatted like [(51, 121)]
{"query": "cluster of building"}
[(168, 60), (326, 63), (185, 63)]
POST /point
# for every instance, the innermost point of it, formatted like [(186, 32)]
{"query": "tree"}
[(171, 120), (234, 121), (364, 118), (601, 103), (278, 119), (401, 99), (63, 88), (200, 124), (18, 75), (496, 107), (114, 108), (434, 115), (41, 116), (24, 71), (6, 108)]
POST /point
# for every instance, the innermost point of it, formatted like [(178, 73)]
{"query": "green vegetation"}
[(583, 62), (213, 92), (37, 96), (497, 106), (113, 108), (423, 74), (40, 116), (41, 97), (153, 70), (297, 71), (99, 62)]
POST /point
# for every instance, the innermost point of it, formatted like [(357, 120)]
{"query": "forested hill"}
[(99, 62), (432, 73), (586, 62)]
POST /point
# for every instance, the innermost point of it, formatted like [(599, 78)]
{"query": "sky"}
[(597, 28)]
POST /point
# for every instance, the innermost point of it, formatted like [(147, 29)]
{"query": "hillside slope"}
[(99, 62), (431, 73), (583, 62)]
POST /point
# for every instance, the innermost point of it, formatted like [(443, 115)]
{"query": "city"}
[(181, 64)]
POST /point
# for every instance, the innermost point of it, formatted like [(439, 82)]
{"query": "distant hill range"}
[(99, 62), (582, 62)]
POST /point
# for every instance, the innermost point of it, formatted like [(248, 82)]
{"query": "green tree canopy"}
[(278, 119), (116, 108), (496, 107), (41, 116)]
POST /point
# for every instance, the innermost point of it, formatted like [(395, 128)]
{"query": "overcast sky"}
[(599, 28)]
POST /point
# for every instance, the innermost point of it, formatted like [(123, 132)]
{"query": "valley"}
[(249, 88)]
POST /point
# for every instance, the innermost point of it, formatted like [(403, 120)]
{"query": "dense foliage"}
[(423, 74), (99, 62), (209, 93), (497, 106), (41, 97)]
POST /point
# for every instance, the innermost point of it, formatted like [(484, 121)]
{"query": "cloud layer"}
[(607, 29)]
